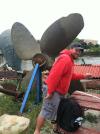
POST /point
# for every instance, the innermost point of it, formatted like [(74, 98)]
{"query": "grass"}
[(11, 107), (91, 118), (8, 105)]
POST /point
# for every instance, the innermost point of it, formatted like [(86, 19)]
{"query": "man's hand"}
[(48, 96)]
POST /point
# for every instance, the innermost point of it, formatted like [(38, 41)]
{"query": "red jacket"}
[(61, 73)]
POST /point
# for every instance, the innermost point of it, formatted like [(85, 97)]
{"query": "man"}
[(57, 83)]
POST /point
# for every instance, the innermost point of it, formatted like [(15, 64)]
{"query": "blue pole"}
[(29, 88), (38, 86), (40, 83)]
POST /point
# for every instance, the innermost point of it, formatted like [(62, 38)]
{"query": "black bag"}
[(69, 115)]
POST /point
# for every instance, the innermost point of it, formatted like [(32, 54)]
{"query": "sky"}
[(38, 15)]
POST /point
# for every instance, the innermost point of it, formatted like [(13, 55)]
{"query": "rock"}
[(1, 94), (13, 124)]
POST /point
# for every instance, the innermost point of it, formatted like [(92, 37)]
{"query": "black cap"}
[(77, 45)]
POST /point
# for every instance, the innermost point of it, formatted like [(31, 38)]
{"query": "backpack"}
[(69, 115)]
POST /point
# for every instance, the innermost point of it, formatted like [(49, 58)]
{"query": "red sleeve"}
[(77, 76), (55, 75)]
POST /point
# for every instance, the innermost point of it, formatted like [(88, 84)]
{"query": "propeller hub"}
[(40, 59)]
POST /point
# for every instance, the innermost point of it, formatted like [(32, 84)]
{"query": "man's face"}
[(76, 53)]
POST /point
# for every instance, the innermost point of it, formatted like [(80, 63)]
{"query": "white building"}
[(94, 42)]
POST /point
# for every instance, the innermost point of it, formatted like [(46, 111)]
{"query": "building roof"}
[(94, 70)]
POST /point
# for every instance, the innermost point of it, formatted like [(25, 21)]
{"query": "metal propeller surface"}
[(61, 33), (24, 43), (8, 50), (56, 38)]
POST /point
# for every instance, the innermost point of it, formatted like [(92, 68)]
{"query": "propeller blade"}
[(24, 43), (8, 51), (61, 33)]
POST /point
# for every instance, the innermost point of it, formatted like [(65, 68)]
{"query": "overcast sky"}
[(37, 15)]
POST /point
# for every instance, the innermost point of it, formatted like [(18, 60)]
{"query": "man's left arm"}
[(81, 76)]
